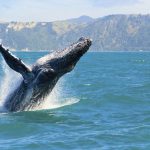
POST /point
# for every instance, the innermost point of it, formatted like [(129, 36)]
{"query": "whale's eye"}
[(46, 75)]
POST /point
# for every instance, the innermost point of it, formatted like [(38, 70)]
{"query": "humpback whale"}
[(39, 80)]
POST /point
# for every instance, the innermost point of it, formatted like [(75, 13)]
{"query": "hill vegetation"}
[(110, 33)]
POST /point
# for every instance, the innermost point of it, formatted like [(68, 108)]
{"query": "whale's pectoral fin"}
[(16, 64)]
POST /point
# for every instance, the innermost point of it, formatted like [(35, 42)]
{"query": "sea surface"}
[(103, 104)]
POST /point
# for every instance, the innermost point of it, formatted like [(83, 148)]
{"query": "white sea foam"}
[(57, 98), (9, 81)]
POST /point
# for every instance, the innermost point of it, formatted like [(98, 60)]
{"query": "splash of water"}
[(11, 80), (57, 98)]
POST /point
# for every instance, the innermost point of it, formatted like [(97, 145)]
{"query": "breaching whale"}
[(39, 80)]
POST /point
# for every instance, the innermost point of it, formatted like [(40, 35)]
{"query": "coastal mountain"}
[(110, 33)]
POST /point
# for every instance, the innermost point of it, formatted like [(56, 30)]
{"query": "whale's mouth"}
[(63, 61), (79, 48), (75, 52), (67, 58)]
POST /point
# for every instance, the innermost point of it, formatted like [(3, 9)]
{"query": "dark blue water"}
[(113, 112)]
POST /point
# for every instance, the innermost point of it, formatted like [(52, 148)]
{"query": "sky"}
[(51, 10)]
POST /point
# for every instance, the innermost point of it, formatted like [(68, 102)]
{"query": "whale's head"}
[(64, 61)]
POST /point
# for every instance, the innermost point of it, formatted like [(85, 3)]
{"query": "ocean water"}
[(103, 104)]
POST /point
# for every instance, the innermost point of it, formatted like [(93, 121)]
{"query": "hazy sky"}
[(49, 10)]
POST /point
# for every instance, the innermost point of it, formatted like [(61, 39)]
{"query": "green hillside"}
[(114, 32)]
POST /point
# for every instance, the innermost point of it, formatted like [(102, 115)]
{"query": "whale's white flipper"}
[(16, 64)]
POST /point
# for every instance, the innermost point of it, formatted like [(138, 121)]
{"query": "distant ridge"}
[(81, 19), (110, 33)]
